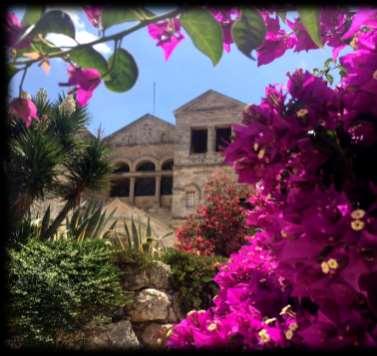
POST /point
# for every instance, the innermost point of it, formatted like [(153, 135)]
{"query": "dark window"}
[(121, 168), (166, 185), (199, 140), (167, 165), (120, 188), (146, 167), (145, 186), (223, 136)]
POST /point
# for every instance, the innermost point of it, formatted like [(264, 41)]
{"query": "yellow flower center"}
[(261, 153), (255, 147), (358, 213), (357, 225), (270, 321), (289, 334), (293, 326), (375, 75), (263, 336), (325, 267), (332, 263), (212, 327), (302, 112)]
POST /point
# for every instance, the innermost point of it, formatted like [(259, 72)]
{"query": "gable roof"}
[(137, 121), (84, 133), (201, 98)]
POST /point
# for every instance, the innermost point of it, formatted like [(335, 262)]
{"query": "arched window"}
[(167, 165), (121, 168), (145, 186), (146, 166), (120, 188), (166, 185)]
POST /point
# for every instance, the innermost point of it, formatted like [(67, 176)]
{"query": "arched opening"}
[(167, 165), (145, 166), (120, 188), (121, 168), (145, 186), (166, 185)]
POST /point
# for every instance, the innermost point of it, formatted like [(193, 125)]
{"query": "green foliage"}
[(60, 285), (192, 278), (89, 222), (123, 71), (88, 57), (138, 237), (117, 16), (249, 31), (54, 21), (309, 17), (205, 32), (32, 15)]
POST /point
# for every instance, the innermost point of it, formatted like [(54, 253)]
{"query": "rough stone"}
[(150, 304), (155, 276), (154, 335), (118, 335)]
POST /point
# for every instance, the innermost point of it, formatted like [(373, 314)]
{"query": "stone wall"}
[(145, 323)]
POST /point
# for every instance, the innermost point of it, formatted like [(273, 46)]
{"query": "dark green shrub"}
[(192, 278), (60, 285)]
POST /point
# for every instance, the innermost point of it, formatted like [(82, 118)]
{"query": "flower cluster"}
[(218, 226), (333, 25), (308, 277)]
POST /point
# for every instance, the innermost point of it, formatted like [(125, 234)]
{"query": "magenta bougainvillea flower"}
[(14, 29), (226, 18), (94, 15), (24, 109), (168, 35), (276, 41), (85, 81), (308, 277)]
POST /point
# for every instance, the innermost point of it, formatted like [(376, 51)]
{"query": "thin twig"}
[(116, 36), (23, 79)]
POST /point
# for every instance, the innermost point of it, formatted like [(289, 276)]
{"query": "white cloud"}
[(82, 35)]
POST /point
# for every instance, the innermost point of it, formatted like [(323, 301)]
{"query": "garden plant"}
[(307, 277)]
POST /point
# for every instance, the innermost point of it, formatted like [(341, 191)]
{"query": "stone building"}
[(163, 167)]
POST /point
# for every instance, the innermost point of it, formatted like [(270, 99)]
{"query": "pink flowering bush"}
[(308, 277), (218, 225)]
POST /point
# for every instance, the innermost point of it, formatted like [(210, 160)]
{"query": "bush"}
[(192, 278), (218, 226), (60, 285)]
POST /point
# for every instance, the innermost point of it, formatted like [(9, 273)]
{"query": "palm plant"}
[(140, 238), (89, 221), (87, 171), (50, 159)]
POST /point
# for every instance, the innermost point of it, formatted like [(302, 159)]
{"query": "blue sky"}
[(187, 74)]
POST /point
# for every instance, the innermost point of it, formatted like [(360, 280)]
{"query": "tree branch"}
[(116, 36)]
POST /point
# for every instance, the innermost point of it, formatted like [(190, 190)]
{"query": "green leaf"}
[(115, 16), (54, 21), (124, 72), (32, 15), (205, 33), (88, 57), (329, 78), (249, 31), (310, 19)]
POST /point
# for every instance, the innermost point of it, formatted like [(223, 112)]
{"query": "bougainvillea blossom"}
[(226, 17), (168, 35), (85, 81), (24, 108), (94, 15)]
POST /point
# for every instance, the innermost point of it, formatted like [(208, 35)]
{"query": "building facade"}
[(161, 166)]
